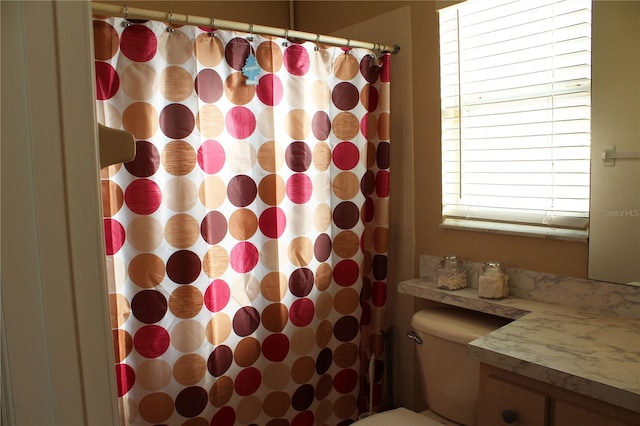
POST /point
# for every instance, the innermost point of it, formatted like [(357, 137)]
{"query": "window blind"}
[(516, 106)]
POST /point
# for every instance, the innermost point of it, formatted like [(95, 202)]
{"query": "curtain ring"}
[(170, 27), (250, 38), (317, 47), (285, 43), (126, 22), (213, 26), (348, 51)]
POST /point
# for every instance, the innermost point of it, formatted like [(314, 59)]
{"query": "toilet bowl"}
[(449, 375)]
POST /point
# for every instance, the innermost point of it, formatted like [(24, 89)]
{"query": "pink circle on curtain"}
[(345, 381), (345, 155), (217, 295), (299, 188), (143, 196), (301, 312), (382, 183), (240, 122), (273, 222), (385, 72), (275, 347), (379, 293), (296, 60), (346, 272), (208, 85), (244, 257), (211, 156), (225, 416), (114, 236), (248, 381), (151, 341), (213, 227), (321, 125), (138, 43), (125, 378), (269, 90), (107, 81)]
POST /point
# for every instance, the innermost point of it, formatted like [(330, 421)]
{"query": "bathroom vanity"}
[(553, 364)]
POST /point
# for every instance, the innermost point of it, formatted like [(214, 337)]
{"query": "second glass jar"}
[(451, 275)]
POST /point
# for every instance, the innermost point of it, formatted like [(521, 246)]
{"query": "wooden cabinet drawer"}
[(499, 399), (567, 414)]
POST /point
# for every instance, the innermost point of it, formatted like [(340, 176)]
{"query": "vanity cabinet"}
[(509, 399)]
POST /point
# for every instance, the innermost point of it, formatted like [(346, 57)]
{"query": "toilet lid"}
[(399, 416)]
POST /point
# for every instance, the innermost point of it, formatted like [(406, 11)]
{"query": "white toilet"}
[(449, 375)]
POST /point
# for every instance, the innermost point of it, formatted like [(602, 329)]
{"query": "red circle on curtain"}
[(138, 43), (296, 60), (299, 188), (240, 122), (379, 293), (269, 90), (143, 196), (301, 312), (382, 183), (125, 378), (346, 272), (345, 380), (275, 347), (272, 222), (248, 381), (345, 155), (107, 81), (114, 236), (151, 341), (225, 416)]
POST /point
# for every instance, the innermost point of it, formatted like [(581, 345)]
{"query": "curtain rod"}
[(181, 19)]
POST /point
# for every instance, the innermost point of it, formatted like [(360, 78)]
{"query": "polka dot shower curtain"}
[(246, 243)]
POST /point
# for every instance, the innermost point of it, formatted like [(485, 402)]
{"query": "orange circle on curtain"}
[(156, 407), (381, 212), (107, 172), (300, 251), (186, 302), (208, 50), (323, 389), (274, 286), (212, 192), (187, 335), (210, 121), (139, 81), (269, 56), (322, 156), (215, 262), (243, 224), (180, 194), (324, 305), (189, 369), (237, 90), (122, 344), (176, 84), (344, 406), (346, 244), (182, 230), (346, 66), (276, 375), (119, 309), (321, 94), (271, 189), (221, 391), (271, 156), (303, 341), (218, 328), (105, 40), (322, 217), (174, 47), (303, 369), (275, 317), (384, 126), (297, 124), (249, 408), (346, 185), (270, 254), (372, 126), (324, 333), (247, 351), (144, 233), (146, 270), (346, 355), (346, 301), (323, 277), (141, 119), (178, 158), (276, 404), (345, 126), (154, 374), (381, 239), (112, 197)]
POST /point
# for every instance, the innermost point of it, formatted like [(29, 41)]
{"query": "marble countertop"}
[(591, 354)]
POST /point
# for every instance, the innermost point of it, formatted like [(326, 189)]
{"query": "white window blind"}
[(516, 106)]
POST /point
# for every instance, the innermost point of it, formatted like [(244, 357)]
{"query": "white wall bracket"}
[(609, 155)]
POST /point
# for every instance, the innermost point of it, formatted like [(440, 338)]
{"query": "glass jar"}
[(493, 282), (451, 275)]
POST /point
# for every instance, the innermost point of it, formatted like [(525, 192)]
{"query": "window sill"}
[(516, 229)]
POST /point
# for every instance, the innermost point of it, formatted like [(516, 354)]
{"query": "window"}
[(516, 106)]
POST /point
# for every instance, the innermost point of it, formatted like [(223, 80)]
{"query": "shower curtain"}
[(247, 241)]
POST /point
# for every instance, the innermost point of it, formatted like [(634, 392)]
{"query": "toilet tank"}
[(449, 375)]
